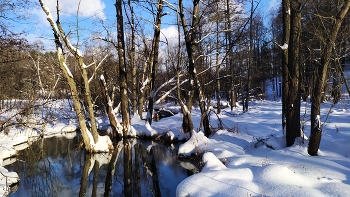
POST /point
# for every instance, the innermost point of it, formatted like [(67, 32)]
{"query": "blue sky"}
[(92, 13)]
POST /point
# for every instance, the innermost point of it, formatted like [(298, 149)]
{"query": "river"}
[(58, 166)]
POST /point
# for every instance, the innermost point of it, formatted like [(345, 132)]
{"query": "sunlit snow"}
[(247, 157)]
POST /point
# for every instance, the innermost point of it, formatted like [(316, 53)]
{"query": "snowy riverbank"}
[(58, 119), (238, 159)]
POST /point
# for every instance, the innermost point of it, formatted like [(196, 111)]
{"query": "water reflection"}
[(58, 167)]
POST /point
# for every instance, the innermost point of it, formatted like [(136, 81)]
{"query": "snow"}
[(248, 157), (68, 70), (284, 47), (251, 169)]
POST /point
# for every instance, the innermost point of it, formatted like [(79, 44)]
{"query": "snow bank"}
[(196, 144), (216, 179), (7, 179), (254, 169)]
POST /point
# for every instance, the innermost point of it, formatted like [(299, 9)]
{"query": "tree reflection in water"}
[(57, 167)]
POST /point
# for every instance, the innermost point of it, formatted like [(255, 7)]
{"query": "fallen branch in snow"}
[(262, 141)]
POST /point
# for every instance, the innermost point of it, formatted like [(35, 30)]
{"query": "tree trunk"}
[(318, 91), (60, 34), (109, 108), (145, 79), (83, 73), (250, 62), (133, 60), (191, 45), (122, 70), (230, 56), (218, 94), (187, 124), (286, 35), (77, 106), (292, 98), (320, 82), (154, 58), (88, 100)]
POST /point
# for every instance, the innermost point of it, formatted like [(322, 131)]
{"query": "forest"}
[(208, 55)]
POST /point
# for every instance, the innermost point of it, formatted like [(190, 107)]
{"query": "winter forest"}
[(248, 97)]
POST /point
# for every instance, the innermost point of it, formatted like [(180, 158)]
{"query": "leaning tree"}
[(92, 141)]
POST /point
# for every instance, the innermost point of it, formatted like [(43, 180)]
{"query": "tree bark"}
[(154, 60), (109, 108), (320, 82), (122, 69), (191, 45), (187, 124), (217, 74), (230, 56), (133, 59), (60, 34), (286, 35), (84, 75), (292, 78)]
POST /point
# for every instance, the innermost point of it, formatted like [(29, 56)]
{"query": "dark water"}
[(59, 167)]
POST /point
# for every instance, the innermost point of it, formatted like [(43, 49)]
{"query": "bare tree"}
[(90, 139), (290, 69), (190, 33), (154, 60), (321, 74), (122, 70), (292, 77), (133, 58)]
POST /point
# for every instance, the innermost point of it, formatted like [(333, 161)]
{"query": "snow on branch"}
[(49, 16), (56, 33), (71, 48), (172, 80), (144, 84), (168, 92), (208, 55), (214, 32), (98, 66), (283, 47), (204, 37), (87, 66), (317, 124), (67, 69)]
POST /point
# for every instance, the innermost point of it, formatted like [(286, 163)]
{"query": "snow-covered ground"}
[(240, 163), (237, 161)]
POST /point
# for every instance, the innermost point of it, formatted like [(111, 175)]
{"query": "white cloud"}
[(87, 8), (171, 34), (68, 11)]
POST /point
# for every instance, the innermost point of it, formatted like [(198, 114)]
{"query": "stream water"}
[(59, 167)]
